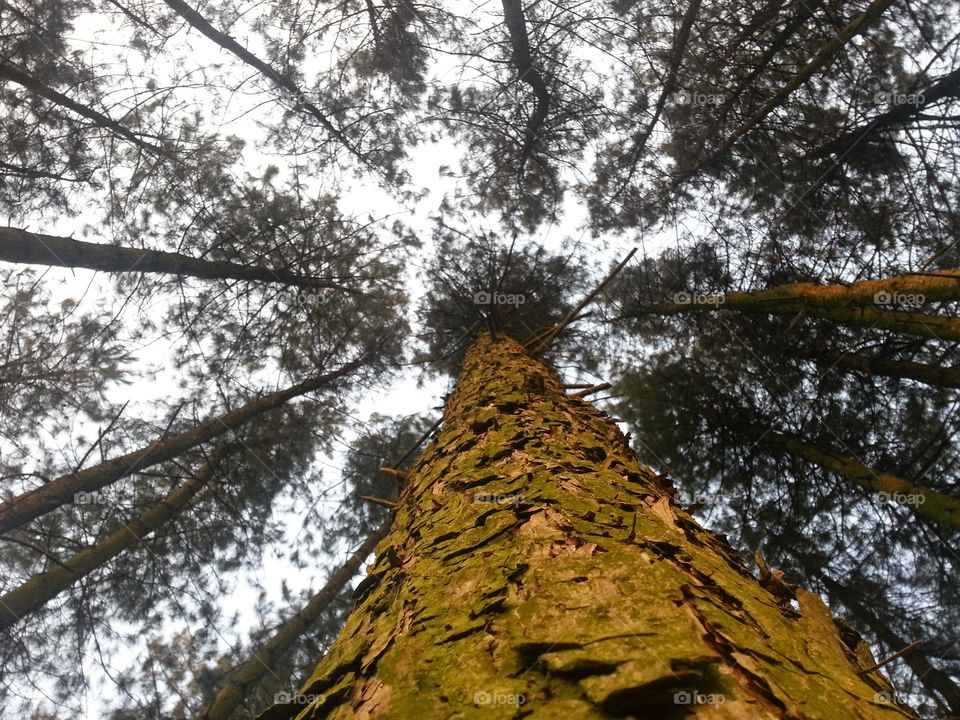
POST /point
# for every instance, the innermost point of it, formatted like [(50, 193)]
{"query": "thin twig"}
[(591, 390), (418, 443), (392, 472), (904, 651), (379, 501), (546, 342)]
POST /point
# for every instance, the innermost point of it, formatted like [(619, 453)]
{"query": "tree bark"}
[(40, 589), (22, 246), (62, 490), (535, 569), (935, 375), (237, 684), (922, 501), (936, 682)]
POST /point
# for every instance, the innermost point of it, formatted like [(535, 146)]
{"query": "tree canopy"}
[(238, 233)]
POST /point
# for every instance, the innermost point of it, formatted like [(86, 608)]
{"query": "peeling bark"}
[(536, 570), (936, 682)]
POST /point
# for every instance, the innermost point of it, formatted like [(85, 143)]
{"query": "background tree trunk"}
[(936, 375), (40, 589), (64, 489), (21, 246), (534, 563), (237, 684), (929, 504)]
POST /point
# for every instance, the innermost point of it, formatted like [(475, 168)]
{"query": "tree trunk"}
[(40, 589), (947, 86), (21, 246), (284, 82), (532, 562), (823, 57), (527, 72), (936, 682), (8, 72), (842, 303), (63, 490), (921, 500), (797, 21), (668, 87), (237, 684), (936, 375)]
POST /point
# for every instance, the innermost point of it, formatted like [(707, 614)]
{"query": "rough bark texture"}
[(535, 570), (936, 682), (21, 246), (40, 589), (62, 490)]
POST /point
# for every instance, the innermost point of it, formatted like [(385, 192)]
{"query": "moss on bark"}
[(535, 570)]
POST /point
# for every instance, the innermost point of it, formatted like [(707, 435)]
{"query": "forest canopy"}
[(247, 245)]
